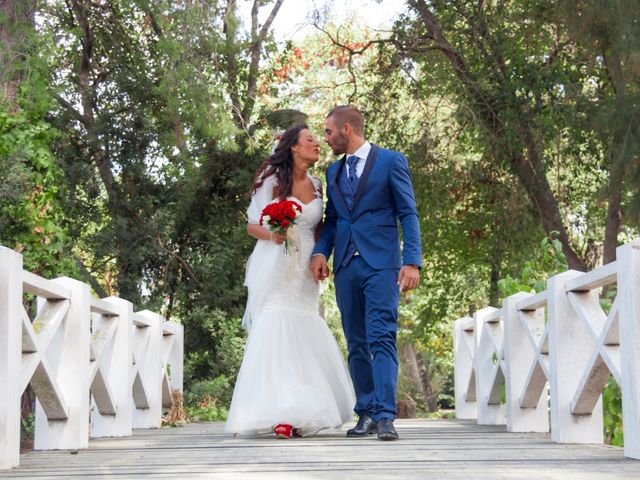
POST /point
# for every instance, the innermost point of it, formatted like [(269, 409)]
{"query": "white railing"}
[(97, 368), (556, 351)]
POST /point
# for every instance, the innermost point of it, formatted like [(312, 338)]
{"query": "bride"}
[(293, 380)]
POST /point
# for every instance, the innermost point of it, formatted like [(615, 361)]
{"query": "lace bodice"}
[(286, 276), (297, 289), (311, 214)]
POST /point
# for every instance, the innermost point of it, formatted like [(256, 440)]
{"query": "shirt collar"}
[(363, 151)]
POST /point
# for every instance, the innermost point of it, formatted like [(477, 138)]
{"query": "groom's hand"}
[(409, 278), (319, 267)]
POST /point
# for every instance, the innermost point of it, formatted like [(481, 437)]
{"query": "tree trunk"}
[(431, 400), (408, 357), (230, 28), (258, 37), (15, 26), (613, 64), (242, 110), (614, 211), (496, 262)]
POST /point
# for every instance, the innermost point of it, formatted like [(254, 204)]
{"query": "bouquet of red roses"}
[(279, 216)]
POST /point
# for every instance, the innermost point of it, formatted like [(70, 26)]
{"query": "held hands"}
[(319, 268), (408, 278)]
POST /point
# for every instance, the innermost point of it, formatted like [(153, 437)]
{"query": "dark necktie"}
[(352, 160)]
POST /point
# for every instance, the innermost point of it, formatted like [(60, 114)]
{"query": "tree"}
[(613, 37), (16, 26), (522, 79), (156, 146), (243, 109), (30, 213)]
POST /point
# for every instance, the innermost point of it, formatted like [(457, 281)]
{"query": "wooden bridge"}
[(433, 449), (103, 372)]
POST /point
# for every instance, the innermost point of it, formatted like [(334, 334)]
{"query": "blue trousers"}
[(368, 302)]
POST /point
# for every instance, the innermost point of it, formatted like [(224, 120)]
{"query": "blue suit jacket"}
[(384, 196)]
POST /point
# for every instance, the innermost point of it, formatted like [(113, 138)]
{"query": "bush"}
[(220, 345), (208, 400)]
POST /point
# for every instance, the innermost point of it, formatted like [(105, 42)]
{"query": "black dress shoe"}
[(365, 426), (386, 430)]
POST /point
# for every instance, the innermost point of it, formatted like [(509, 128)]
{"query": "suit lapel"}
[(334, 182), (371, 160)]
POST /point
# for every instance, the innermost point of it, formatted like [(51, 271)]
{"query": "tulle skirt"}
[(292, 373)]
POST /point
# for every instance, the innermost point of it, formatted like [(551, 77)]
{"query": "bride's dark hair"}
[(280, 163)]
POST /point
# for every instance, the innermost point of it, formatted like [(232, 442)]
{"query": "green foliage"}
[(410, 390), (31, 218), (206, 400), (27, 427), (548, 261), (439, 365), (612, 394), (433, 349), (607, 298), (440, 414), (217, 345), (612, 410)]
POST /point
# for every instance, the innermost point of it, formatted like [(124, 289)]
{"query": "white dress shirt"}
[(362, 153)]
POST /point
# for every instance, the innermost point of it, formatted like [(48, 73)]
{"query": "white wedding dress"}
[(292, 371)]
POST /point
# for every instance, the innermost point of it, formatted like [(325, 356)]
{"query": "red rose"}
[(281, 216)]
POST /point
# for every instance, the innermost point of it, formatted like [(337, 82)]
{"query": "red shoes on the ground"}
[(283, 431)]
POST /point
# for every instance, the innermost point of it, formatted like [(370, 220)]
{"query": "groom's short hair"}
[(343, 114)]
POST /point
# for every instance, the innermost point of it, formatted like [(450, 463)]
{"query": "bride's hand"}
[(277, 238)]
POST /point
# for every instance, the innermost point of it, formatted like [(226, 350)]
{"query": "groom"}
[(368, 191)]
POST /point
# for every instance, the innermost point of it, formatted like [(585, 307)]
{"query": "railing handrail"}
[(130, 363), (561, 341)]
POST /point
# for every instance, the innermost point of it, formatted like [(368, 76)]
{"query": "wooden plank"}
[(594, 279), (450, 449), (32, 283), (534, 302)]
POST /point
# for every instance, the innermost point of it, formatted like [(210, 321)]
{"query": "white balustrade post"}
[(489, 375), (570, 349), (628, 260), (10, 356), (464, 373), (115, 364), (176, 355), (68, 361), (148, 411), (519, 357)]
